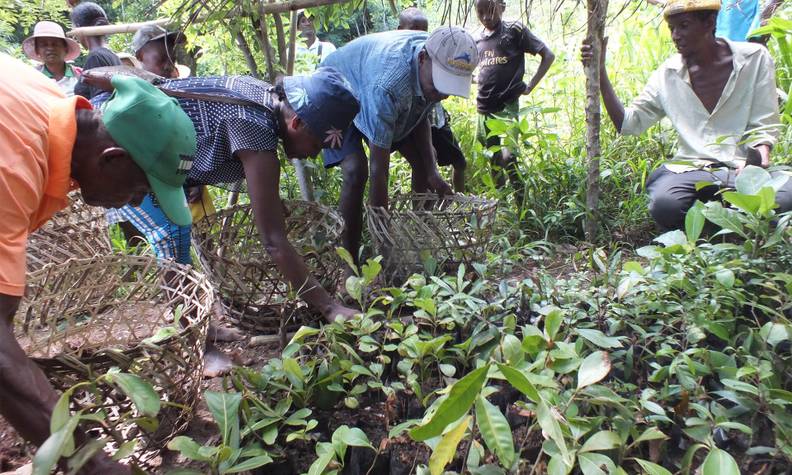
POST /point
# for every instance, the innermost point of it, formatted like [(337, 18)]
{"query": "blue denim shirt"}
[(382, 69)]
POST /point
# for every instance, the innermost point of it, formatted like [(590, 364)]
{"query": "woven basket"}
[(253, 292), (78, 231), (423, 227), (83, 317)]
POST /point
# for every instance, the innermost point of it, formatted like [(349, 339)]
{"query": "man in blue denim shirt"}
[(397, 76)]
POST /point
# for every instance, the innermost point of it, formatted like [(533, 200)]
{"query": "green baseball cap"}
[(158, 135)]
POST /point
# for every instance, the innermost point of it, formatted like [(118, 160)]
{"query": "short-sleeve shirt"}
[(502, 65), (70, 79), (382, 69), (224, 129), (35, 161), (97, 58), (746, 113)]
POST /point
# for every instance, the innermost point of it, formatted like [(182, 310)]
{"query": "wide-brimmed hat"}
[(49, 29), (674, 7)]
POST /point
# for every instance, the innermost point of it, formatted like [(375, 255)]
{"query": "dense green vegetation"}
[(637, 353)]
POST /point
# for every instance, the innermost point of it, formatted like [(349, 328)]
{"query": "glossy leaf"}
[(495, 431), (54, 447), (652, 468), (602, 440), (520, 382), (446, 449), (225, 410), (458, 402), (593, 369), (719, 462), (141, 393)]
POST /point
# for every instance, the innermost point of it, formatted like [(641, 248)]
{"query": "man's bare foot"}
[(216, 363), (220, 333)]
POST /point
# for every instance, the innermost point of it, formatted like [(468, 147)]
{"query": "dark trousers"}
[(672, 194)]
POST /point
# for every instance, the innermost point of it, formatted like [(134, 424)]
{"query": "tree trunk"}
[(249, 59), (262, 36), (597, 11), (281, 37)]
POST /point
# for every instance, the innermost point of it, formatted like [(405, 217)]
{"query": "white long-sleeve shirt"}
[(746, 113)]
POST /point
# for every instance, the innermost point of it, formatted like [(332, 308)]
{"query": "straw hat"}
[(49, 29), (683, 6)]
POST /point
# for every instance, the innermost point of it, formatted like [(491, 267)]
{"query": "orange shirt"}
[(37, 134)]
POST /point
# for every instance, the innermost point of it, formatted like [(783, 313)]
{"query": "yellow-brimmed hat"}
[(683, 6)]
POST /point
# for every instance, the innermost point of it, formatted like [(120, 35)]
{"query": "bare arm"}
[(613, 105), (427, 165), (548, 57), (262, 170), (379, 173)]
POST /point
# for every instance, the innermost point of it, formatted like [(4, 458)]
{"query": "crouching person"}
[(140, 143), (720, 97)]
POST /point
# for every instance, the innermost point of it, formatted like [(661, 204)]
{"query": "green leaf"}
[(326, 455), (446, 449), (47, 456), (126, 449), (520, 382), (371, 270), (345, 436), (495, 431), (347, 257), (728, 219), (652, 468), (593, 369), (189, 448), (748, 203), (250, 464), (354, 287), (652, 433), (602, 440), (553, 323), (142, 394), (592, 464), (458, 402), (751, 179), (694, 222), (599, 338), (86, 453), (303, 332), (549, 424), (512, 349), (294, 372), (225, 410), (725, 277), (672, 238), (162, 334), (719, 462)]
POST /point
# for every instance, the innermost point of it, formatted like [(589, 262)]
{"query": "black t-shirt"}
[(97, 58), (502, 65)]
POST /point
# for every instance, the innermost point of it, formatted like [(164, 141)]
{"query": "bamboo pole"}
[(103, 30), (597, 11)]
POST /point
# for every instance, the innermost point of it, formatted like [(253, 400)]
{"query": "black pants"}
[(672, 194)]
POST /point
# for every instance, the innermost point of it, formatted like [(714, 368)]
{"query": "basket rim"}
[(162, 265)]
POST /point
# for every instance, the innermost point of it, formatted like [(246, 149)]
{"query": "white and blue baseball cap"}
[(454, 57), (325, 102)]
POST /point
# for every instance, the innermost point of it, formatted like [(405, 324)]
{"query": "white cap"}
[(454, 57)]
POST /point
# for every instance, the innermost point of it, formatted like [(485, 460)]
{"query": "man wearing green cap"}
[(719, 95), (142, 142)]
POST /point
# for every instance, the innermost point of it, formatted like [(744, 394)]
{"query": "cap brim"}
[(172, 201), (450, 84)]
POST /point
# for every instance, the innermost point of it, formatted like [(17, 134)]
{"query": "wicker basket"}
[(253, 292), (78, 231), (83, 317), (423, 227)]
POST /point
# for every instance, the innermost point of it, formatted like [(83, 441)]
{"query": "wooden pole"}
[(302, 172), (102, 30), (597, 11)]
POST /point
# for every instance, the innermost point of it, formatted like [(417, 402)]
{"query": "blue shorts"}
[(351, 145), (169, 240)]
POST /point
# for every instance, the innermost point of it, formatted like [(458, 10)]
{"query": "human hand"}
[(335, 309), (439, 186), (194, 194), (586, 54), (528, 89)]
